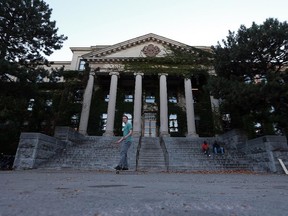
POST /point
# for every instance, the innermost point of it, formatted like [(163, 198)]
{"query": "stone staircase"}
[(151, 157), (145, 154), (97, 153), (185, 155)]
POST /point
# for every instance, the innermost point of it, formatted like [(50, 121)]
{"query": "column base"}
[(136, 133), (83, 132), (192, 135), (108, 133), (164, 134)]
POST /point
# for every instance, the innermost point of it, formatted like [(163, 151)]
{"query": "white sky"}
[(193, 22)]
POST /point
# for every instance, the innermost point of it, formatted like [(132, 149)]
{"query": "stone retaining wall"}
[(263, 152), (36, 148)]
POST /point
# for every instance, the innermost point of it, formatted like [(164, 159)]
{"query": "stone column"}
[(137, 104), (111, 104), (163, 106), (86, 105), (190, 109)]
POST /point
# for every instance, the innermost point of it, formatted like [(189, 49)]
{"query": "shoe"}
[(125, 168), (117, 167)]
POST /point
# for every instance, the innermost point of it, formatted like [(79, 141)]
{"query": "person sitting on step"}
[(205, 148), (217, 148)]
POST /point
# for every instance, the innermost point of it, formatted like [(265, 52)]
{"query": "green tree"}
[(27, 37), (251, 68)]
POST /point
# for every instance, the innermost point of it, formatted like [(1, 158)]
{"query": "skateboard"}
[(123, 171)]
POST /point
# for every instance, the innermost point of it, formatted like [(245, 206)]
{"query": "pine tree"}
[(27, 35), (251, 68)]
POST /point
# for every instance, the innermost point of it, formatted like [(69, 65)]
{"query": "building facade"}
[(158, 104)]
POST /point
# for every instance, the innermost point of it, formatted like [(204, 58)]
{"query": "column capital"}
[(164, 74), (138, 73), (114, 73)]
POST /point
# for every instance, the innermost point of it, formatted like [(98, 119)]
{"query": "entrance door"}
[(149, 125)]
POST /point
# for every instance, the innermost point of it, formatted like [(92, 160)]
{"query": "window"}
[(128, 97), (75, 121), (172, 99), (103, 122), (226, 120), (173, 123), (48, 104), (78, 96), (31, 104), (258, 129), (107, 98), (150, 98), (81, 65)]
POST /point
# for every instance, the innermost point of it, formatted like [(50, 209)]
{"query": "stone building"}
[(158, 104)]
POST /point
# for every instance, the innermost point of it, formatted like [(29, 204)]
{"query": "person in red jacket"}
[(205, 148)]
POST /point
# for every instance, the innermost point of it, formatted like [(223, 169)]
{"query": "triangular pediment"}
[(149, 45)]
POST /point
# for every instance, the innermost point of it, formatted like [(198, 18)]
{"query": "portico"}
[(151, 95)]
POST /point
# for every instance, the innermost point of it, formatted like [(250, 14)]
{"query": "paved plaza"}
[(95, 193)]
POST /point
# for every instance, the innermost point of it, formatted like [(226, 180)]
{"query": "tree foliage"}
[(251, 68), (188, 61), (27, 35)]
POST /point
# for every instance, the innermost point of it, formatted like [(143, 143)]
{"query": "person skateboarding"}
[(127, 138)]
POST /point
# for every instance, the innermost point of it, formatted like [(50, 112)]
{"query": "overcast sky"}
[(193, 22)]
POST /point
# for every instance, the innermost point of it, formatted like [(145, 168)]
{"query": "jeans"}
[(219, 150), (123, 154)]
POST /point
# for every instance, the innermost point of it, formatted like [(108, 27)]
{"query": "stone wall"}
[(262, 152), (36, 148), (68, 135), (265, 151)]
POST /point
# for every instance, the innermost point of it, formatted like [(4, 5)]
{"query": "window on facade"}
[(258, 129), (149, 98), (81, 65), (48, 104), (255, 80), (75, 120), (226, 119), (128, 97), (78, 96), (103, 122), (31, 104), (172, 99), (106, 98), (173, 123)]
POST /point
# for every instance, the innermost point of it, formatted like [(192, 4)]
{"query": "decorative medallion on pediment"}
[(151, 50)]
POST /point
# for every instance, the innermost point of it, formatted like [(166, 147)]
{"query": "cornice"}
[(115, 59)]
